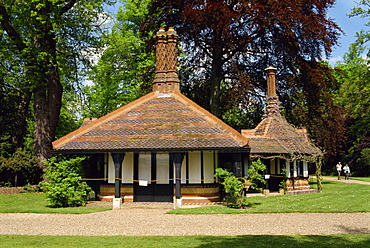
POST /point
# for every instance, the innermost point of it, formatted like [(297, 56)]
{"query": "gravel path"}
[(157, 222), (346, 181)]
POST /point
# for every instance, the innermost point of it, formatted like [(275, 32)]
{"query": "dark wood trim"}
[(187, 167), (153, 166), (201, 167)]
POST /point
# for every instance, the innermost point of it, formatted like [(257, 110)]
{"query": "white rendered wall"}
[(208, 165), (128, 168), (145, 165), (163, 173), (194, 167), (111, 175)]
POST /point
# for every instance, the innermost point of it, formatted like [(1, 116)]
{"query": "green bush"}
[(20, 168), (65, 187), (362, 166), (254, 176), (234, 187)]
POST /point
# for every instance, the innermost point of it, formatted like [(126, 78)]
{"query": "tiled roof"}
[(153, 122), (274, 135)]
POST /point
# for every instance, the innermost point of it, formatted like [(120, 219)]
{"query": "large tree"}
[(353, 95), (228, 43), (50, 40)]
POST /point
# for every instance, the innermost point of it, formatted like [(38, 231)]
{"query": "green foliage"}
[(363, 162), (233, 187), (254, 175), (65, 187), (353, 95), (283, 184), (20, 168), (124, 66), (45, 46)]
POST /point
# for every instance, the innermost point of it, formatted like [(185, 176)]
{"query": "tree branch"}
[(68, 6), (8, 27)]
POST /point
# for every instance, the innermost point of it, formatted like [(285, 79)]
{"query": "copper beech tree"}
[(228, 43)]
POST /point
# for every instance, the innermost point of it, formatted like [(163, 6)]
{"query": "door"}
[(152, 174)]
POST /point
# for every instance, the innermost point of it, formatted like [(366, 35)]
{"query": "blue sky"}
[(349, 25)]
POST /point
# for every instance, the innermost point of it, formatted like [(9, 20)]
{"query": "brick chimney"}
[(166, 79), (273, 103)]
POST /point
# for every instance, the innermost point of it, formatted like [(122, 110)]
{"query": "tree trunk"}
[(42, 137), (48, 92)]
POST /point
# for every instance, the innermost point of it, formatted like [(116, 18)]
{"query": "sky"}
[(349, 25)]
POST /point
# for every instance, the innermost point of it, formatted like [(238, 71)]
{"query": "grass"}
[(37, 203), (261, 241), (337, 197), (365, 179)]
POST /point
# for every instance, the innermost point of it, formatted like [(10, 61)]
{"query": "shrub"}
[(234, 187), (20, 168), (65, 187), (254, 176)]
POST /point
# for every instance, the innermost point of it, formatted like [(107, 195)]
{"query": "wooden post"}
[(117, 160), (177, 159)]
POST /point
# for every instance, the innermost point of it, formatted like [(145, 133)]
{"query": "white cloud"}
[(334, 60)]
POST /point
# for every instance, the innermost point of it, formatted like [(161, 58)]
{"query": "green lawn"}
[(37, 203), (260, 241), (337, 197), (365, 179)]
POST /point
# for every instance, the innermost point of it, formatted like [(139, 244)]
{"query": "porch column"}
[(117, 160), (177, 159)]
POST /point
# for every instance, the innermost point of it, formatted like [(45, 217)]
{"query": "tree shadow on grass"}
[(296, 241)]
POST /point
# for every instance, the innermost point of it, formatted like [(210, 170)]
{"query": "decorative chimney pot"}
[(166, 78), (273, 103)]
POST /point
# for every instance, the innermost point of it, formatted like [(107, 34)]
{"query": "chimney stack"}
[(273, 103), (166, 79)]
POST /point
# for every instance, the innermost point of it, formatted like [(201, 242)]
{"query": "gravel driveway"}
[(157, 222), (136, 220)]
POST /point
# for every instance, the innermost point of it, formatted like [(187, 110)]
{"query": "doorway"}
[(152, 176)]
